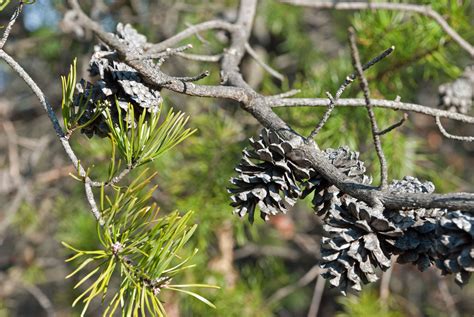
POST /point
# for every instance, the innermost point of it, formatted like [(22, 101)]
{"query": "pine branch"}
[(260, 107), (364, 85), (425, 10)]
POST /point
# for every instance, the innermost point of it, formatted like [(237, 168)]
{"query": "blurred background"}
[(264, 269)]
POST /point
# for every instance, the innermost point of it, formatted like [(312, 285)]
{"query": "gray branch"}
[(425, 10), (57, 128), (379, 103), (192, 30), (364, 85), (260, 107)]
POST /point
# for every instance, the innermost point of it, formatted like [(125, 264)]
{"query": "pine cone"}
[(88, 93), (416, 246), (117, 82), (455, 245), (359, 241), (457, 95), (410, 184), (267, 178), (126, 33), (327, 195)]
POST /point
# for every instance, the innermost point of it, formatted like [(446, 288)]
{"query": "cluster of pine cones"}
[(360, 239), (115, 82)]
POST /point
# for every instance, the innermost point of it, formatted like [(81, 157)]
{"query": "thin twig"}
[(13, 155), (287, 94), (41, 297), (447, 297), (194, 78), (8, 29), (57, 128), (317, 295), (201, 58), (264, 65), (379, 103), (199, 36), (364, 85), (54, 174), (349, 79), (385, 283), (115, 180), (9, 213), (302, 282), (395, 125), (192, 30), (327, 113), (260, 108), (164, 55), (452, 136), (425, 10)]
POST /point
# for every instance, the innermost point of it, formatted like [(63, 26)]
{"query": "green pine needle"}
[(144, 247), (140, 142)]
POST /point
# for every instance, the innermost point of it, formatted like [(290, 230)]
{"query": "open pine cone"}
[(327, 195), (359, 241), (266, 178), (410, 184), (457, 95), (416, 246), (419, 226), (455, 245), (116, 82)]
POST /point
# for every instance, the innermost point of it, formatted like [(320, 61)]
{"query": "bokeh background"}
[(267, 269)]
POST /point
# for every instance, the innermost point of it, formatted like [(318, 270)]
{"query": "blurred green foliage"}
[(367, 304)]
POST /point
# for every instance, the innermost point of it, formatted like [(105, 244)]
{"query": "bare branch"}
[(260, 108), (41, 297), (287, 94), (239, 38), (167, 53), (8, 29), (198, 36), (395, 125), (57, 127), (452, 136), (420, 9), (302, 282), (385, 283), (380, 103), (264, 65), (114, 180), (364, 85), (317, 295), (192, 30), (201, 58), (349, 79), (194, 78)]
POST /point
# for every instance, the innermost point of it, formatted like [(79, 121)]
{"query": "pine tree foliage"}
[(143, 140), (190, 182), (139, 247)]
